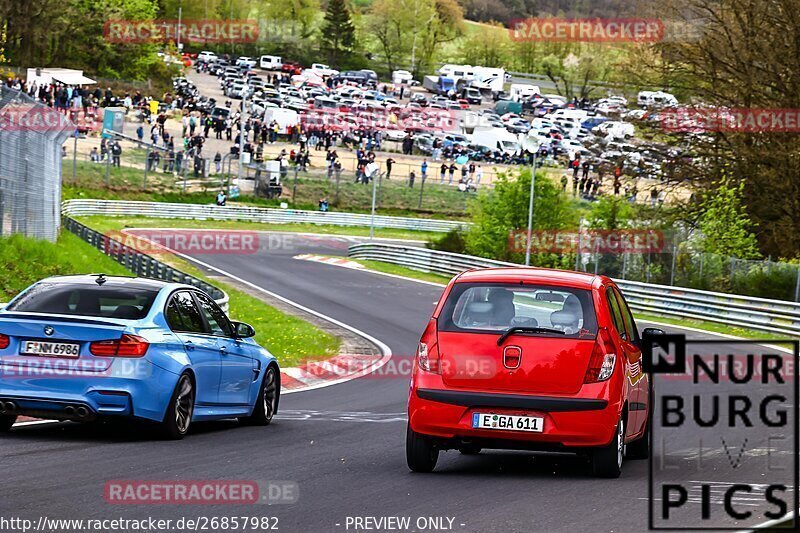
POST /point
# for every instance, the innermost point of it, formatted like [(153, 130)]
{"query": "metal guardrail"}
[(79, 208), (141, 264), (773, 316)]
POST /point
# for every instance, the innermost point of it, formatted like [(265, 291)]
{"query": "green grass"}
[(398, 270), (711, 327), (24, 261), (104, 224), (394, 197), (291, 339)]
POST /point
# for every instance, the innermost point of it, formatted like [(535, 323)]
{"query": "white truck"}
[(488, 79), (496, 139), (523, 91)]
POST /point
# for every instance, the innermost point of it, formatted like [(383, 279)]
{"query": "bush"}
[(452, 241)]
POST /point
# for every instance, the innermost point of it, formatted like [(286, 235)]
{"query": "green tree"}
[(501, 217), (724, 225), (611, 213), (409, 32), (338, 31)]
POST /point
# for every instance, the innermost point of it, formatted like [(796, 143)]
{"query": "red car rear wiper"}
[(525, 329)]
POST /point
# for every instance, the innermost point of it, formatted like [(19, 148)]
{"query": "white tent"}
[(67, 76)]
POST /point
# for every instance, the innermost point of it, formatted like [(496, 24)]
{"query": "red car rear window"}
[(495, 307)]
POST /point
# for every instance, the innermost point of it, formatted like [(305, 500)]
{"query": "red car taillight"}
[(125, 346), (428, 350), (601, 364), (4, 341)]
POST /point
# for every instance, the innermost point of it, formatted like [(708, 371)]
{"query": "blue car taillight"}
[(125, 346)]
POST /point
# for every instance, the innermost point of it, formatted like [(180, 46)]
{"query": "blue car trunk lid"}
[(22, 327)]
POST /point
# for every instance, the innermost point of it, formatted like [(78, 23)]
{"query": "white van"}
[(270, 62), (656, 99), (496, 139), (523, 91), (618, 130)]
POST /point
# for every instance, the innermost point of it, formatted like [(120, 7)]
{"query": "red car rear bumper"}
[(586, 420)]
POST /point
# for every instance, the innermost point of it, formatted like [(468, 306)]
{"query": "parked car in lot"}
[(206, 57), (530, 359), (270, 62), (291, 67), (247, 62), (323, 70), (130, 348)]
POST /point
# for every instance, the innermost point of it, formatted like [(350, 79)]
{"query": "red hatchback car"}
[(530, 359)]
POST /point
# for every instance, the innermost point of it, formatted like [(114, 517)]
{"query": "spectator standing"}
[(389, 163)]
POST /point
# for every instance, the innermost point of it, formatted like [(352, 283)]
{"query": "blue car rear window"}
[(122, 301)]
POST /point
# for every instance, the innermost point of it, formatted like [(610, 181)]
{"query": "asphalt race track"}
[(343, 445)]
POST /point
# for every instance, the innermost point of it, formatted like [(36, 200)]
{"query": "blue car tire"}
[(178, 416)]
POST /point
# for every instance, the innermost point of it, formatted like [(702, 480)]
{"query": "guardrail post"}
[(624, 263), (702, 262), (294, 186), (797, 286), (672, 269)]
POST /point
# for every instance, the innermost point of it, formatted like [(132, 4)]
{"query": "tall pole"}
[(108, 169), (75, 158), (530, 214), (146, 164), (372, 218), (241, 127), (180, 13), (580, 245)]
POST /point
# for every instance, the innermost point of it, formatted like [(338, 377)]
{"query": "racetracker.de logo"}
[(598, 30), (631, 241), (164, 31), (344, 119), (203, 242), (37, 118), (730, 120), (200, 492)]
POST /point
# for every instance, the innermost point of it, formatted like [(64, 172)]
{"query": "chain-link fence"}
[(680, 266), (31, 139)]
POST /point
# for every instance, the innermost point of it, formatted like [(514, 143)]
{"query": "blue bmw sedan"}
[(89, 347)]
